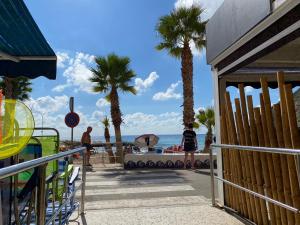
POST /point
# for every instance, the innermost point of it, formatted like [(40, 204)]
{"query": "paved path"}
[(143, 197)]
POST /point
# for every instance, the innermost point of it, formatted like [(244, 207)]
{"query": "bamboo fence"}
[(270, 174)]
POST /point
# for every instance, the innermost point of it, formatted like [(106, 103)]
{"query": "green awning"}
[(23, 49)]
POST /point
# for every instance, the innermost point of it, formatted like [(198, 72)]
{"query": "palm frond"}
[(126, 88), (21, 87), (112, 70), (179, 27), (106, 122)]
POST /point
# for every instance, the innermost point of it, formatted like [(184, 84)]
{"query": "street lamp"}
[(42, 115)]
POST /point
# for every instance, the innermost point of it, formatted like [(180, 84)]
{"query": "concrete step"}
[(135, 190), (146, 203), (157, 181)]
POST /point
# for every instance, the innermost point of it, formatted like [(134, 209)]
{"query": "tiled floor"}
[(143, 197)]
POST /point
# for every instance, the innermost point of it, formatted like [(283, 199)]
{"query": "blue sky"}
[(79, 30)]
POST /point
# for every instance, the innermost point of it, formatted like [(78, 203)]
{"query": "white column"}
[(217, 102)]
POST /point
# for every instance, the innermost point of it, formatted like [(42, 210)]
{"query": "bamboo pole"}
[(284, 163), (233, 176), (236, 155), (284, 114), (274, 194), (294, 187), (244, 155), (281, 219), (290, 107), (225, 154), (264, 163), (244, 169), (247, 142), (261, 208)]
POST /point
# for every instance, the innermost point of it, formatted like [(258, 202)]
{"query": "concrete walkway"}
[(143, 197)]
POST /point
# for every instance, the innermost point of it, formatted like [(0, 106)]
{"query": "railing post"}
[(298, 166), (41, 196), (84, 162), (212, 176)]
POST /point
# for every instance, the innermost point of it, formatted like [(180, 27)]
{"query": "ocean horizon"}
[(165, 140)]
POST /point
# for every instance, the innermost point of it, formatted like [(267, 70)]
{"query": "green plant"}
[(206, 118)]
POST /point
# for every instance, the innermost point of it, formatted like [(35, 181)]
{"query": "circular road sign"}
[(72, 119)]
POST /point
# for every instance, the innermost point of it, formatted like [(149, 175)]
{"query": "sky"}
[(82, 29)]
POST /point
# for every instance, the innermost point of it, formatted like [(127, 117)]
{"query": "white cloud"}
[(48, 104), (143, 85), (62, 59), (165, 123), (60, 87), (50, 111), (97, 115), (102, 103), (139, 123), (168, 94), (210, 6), (77, 72), (248, 89)]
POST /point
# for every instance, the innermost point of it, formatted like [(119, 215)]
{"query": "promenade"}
[(142, 197)]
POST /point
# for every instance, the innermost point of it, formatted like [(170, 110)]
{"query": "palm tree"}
[(112, 73), (178, 30), (207, 119), (106, 124), (16, 88)]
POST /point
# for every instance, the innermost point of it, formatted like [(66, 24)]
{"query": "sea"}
[(165, 141)]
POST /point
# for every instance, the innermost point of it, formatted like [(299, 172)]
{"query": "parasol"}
[(146, 140)]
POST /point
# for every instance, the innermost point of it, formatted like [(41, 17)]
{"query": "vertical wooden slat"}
[(284, 164), (264, 164), (264, 121), (232, 174), (274, 194), (287, 144), (236, 155), (295, 138), (284, 114), (252, 212), (243, 155), (225, 154), (281, 219), (261, 208)]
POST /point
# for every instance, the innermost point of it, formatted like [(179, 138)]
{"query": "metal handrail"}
[(41, 163), (256, 149), (286, 151), (15, 169)]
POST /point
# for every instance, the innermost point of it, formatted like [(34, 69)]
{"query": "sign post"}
[(71, 104), (72, 119)]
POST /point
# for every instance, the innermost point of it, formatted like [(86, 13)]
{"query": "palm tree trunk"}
[(8, 88), (119, 145), (7, 162), (187, 80), (208, 141), (108, 147), (117, 120)]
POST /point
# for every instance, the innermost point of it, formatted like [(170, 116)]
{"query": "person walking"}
[(189, 144), (87, 142)]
